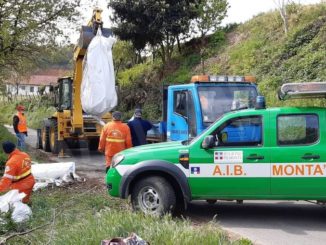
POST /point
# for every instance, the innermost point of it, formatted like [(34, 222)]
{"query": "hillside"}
[(257, 47)]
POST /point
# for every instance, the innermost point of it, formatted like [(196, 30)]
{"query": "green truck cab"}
[(254, 154)]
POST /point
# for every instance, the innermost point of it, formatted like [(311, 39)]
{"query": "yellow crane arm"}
[(86, 35)]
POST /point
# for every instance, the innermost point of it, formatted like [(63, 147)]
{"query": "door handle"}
[(255, 157), (172, 123), (309, 156)]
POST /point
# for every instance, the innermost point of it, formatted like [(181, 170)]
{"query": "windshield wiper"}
[(240, 108)]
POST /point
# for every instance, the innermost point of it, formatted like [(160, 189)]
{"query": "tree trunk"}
[(163, 53), (281, 5), (179, 45)]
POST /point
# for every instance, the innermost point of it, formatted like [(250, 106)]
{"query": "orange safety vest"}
[(18, 174), (22, 124), (115, 137)]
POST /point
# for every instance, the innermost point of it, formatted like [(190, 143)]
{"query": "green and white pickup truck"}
[(254, 154)]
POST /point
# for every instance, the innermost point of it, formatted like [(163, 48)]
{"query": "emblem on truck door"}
[(228, 157)]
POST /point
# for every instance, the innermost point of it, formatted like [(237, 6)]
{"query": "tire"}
[(93, 144), (154, 196), (39, 139), (54, 143), (45, 136)]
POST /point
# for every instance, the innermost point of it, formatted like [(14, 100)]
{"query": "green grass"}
[(85, 214), (4, 136), (258, 47), (36, 111)]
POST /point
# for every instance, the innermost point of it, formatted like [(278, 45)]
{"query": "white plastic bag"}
[(98, 93), (13, 199), (51, 171), (54, 173)]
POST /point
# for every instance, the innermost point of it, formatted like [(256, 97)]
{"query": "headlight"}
[(117, 159)]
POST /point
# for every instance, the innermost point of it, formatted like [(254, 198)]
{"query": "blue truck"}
[(188, 109)]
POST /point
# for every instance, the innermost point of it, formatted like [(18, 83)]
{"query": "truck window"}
[(242, 131), (180, 102), (185, 107), (297, 129), (216, 101)]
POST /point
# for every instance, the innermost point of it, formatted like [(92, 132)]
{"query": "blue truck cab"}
[(191, 108)]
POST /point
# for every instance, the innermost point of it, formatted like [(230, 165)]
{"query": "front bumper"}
[(113, 179)]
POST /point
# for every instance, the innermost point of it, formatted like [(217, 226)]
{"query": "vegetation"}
[(85, 214), (257, 47), (26, 27), (4, 136), (36, 110), (163, 24)]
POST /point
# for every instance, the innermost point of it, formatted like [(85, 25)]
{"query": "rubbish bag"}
[(98, 93), (54, 173), (13, 199)]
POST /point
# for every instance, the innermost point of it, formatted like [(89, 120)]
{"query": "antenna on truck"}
[(302, 90)]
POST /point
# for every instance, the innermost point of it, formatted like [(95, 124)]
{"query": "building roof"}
[(41, 78)]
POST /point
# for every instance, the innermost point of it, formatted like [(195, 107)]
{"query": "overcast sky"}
[(239, 11)]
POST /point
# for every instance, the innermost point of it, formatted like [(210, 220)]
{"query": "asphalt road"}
[(266, 222), (263, 222), (83, 158)]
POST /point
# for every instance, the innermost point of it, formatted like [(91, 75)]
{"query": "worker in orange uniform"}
[(20, 127), (115, 137), (17, 174)]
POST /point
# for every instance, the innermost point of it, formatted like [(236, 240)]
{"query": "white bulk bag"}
[(98, 94), (13, 199)]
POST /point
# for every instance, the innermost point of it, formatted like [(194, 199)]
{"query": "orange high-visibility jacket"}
[(115, 137), (18, 174), (22, 124)]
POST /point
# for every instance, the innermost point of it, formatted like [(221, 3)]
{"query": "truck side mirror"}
[(208, 142)]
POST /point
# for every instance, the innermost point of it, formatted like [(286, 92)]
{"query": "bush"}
[(36, 111), (4, 136)]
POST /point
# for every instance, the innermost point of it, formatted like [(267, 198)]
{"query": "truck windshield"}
[(215, 101)]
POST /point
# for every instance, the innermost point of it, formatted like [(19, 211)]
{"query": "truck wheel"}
[(45, 134), (39, 139), (93, 144), (153, 195), (54, 143)]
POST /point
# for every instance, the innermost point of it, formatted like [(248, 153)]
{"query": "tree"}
[(281, 7), (210, 15), (158, 23), (124, 55), (27, 25)]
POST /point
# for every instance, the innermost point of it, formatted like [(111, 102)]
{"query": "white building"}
[(31, 85)]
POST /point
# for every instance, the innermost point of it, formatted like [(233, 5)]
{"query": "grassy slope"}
[(85, 214), (257, 47)]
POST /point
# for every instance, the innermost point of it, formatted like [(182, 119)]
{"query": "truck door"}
[(298, 164), (239, 166), (181, 123)]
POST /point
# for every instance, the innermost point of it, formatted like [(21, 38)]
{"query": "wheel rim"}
[(149, 200)]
